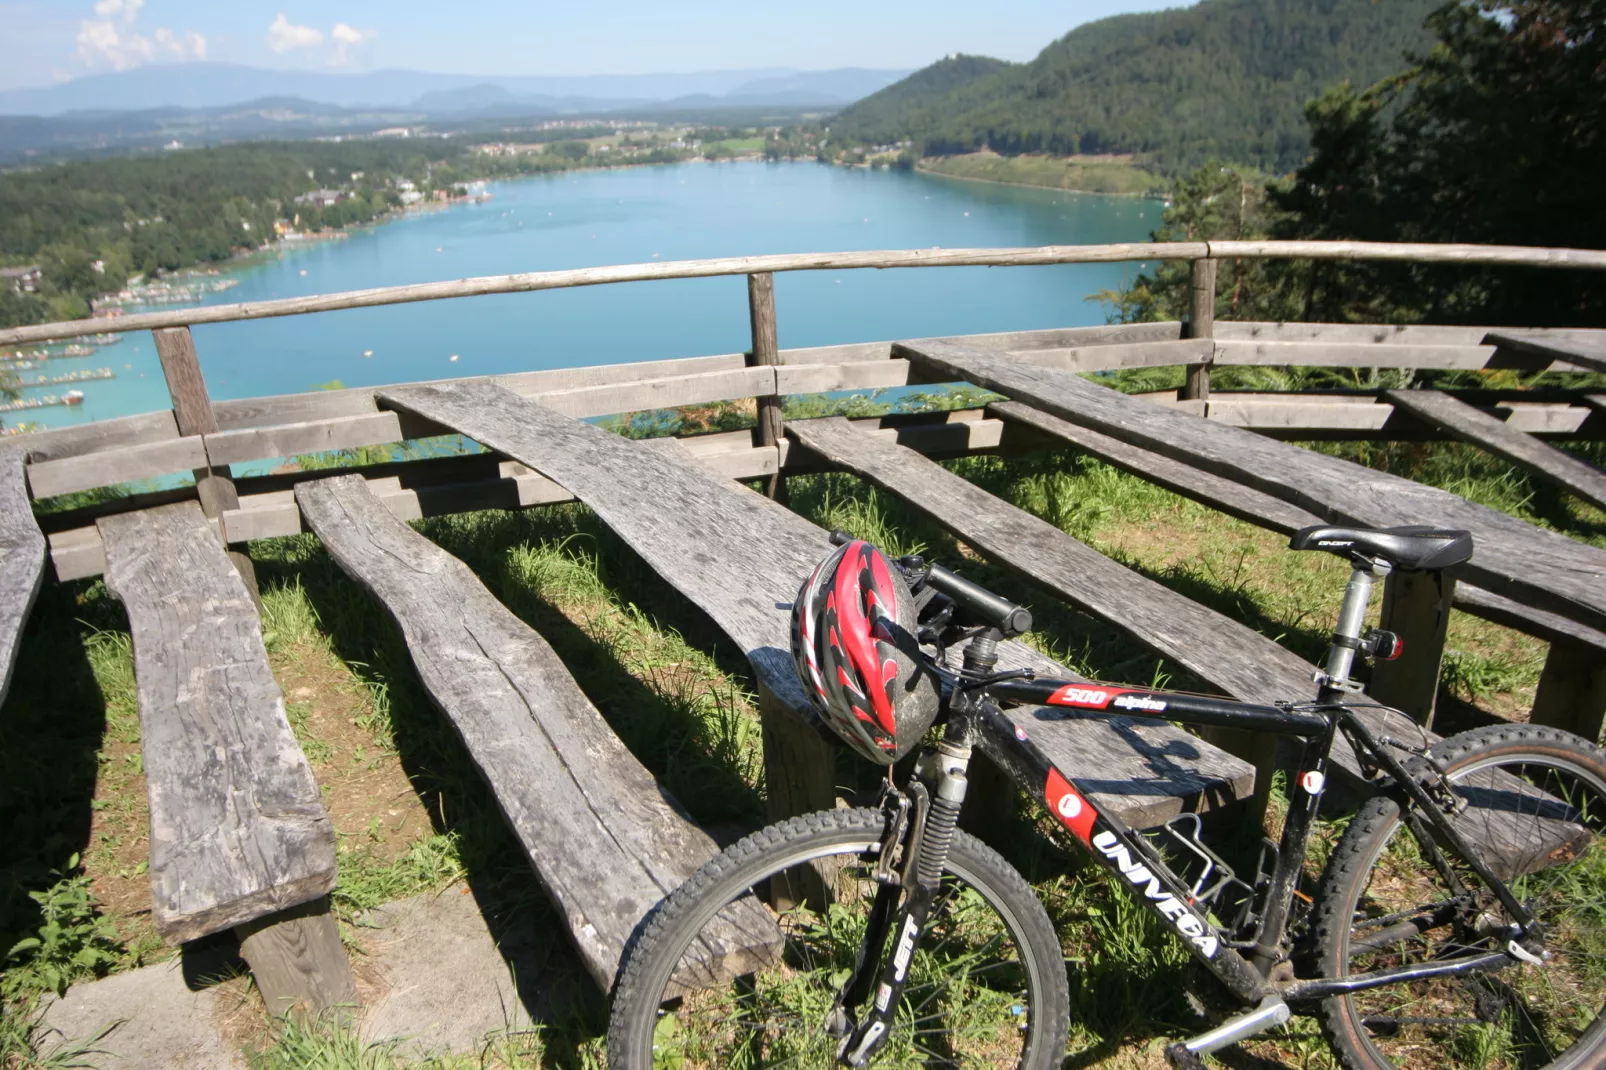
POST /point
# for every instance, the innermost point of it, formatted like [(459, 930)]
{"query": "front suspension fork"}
[(930, 838)]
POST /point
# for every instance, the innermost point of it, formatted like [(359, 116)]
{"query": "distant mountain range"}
[(221, 85), (1223, 79)]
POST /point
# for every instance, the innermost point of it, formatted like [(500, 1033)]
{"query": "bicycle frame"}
[(1246, 969)]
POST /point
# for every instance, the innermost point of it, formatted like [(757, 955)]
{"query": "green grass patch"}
[(1085, 174)]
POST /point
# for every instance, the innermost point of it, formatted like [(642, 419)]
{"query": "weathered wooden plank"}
[(1119, 355), (127, 464), (553, 379), (238, 829), (1590, 354), (22, 559), (1497, 437), (1235, 658), (662, 393), (276, 409), (823, 378), (1071, 337), (847, 353), (1357, 333), (606, 840), (1351, 354), (313, 436), (96, 437), (740, 556), (1513, 558)]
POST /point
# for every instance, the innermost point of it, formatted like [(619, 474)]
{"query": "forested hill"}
[(1223, 79)]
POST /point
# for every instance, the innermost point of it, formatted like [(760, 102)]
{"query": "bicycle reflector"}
[(1383, 645)]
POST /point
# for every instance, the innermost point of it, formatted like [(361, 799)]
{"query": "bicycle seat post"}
[(1335, 678)]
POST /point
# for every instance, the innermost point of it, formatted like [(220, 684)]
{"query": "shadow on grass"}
[(55, 719)]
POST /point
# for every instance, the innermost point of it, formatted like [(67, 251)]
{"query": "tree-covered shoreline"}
[(92, 226)]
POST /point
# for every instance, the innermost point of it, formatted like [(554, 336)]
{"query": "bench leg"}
[(799, 778), (1259, 749), (1572, 690), (298, 961), (799, 764), (1416, 607)]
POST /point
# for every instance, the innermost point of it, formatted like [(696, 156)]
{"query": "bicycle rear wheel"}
[(1535, 808), (986, 987)]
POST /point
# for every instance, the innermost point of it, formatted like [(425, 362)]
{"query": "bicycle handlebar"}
[(976, 600), (1001, 613)]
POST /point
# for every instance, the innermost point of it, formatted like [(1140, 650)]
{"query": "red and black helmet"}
[(853, 637)]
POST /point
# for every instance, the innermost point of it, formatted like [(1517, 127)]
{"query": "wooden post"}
[(192, 410), (1201, 324), (766, 352), (1416, 607), (298, 963), (1572, 690), (799, 778)]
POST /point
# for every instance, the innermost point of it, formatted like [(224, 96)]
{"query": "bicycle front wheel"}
[(986, 987), (1532, 802)]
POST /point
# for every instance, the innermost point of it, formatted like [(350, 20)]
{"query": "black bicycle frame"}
[(975, 720)]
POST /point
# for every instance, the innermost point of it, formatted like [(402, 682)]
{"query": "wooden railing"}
[(1513, 256), (208, 437)]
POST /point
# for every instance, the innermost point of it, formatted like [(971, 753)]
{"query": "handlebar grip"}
[(1001, 613)]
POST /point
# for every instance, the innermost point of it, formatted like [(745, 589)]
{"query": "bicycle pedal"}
[(1181, 1058)]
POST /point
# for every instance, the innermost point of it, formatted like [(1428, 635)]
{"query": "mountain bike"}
[(1460, 918)]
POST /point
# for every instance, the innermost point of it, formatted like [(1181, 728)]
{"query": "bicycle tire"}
[(1382, 903), (639, 1035)]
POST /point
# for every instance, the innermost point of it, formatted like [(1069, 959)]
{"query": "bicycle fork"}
[(930, 836)]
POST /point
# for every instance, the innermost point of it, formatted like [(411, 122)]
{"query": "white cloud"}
[(111, 41), (284, 35), (128, 9), (346, 38)]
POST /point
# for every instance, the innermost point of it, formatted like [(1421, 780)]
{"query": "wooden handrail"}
[(1590, 259)]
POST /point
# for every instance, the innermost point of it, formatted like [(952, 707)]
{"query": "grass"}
[(412, 815), (1085, 174)]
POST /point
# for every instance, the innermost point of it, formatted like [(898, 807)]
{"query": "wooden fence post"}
[(1572, 690), (192, 409), (1416, 607), (1201, 324), (766, 352)]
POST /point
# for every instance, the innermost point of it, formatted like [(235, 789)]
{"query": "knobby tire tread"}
[(635, 1009), (1349, 866)]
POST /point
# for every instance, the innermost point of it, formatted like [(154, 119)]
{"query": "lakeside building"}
[(23, 280)]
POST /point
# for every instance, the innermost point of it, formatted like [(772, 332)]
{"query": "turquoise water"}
[(630, 216)]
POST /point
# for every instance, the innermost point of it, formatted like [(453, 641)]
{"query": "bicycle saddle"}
[(1416, 547)]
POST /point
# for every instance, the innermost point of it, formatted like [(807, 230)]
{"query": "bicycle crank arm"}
[(1189, 1054)]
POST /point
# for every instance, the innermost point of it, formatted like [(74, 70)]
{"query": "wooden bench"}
[(741, 557), (239, 835), (22, 559), (607, 842)]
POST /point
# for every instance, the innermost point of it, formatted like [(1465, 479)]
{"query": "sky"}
[(48, 41)]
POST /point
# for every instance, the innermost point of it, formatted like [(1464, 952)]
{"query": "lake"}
[(680, 212)]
